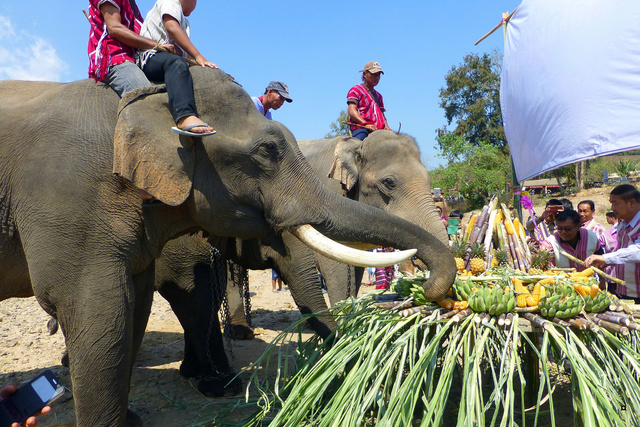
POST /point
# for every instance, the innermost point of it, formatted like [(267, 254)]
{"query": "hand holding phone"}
[(21, 405)]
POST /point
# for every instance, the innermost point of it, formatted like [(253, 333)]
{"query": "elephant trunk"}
[(366, 224)]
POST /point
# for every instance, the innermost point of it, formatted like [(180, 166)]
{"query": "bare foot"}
[(193, 120)]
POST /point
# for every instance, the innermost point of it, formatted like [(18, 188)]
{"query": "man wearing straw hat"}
[(366, 109), (625, 203)]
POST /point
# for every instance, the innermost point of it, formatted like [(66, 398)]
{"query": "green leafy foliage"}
[(339, 127), (624, 167), (471, 100), (475, 172)]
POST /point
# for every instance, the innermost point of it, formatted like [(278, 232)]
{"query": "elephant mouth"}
[(345, 254)]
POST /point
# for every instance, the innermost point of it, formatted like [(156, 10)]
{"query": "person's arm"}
[(357, 118), (124, 35), (180, 37)]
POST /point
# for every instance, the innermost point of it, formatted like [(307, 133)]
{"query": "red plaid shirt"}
[(367, 106), (105, 51)]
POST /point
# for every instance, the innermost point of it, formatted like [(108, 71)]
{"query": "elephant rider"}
[(114, 35), (572, 239), (366, 109), (274, 96), (166, 23)]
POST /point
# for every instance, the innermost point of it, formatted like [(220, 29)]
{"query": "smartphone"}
[(29, 399)]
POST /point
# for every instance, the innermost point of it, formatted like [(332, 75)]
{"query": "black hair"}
[(568, 214), (553, 202), (568, 206), (626, 192), (456, 214), (611, 215), (588, 202)]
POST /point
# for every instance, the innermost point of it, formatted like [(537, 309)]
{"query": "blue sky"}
[(316, 48)]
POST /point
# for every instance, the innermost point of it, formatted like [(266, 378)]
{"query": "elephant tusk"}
[(341, 253)]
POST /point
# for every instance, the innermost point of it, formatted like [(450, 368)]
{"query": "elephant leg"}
[(343, 281), (195, 299), (237, 290), (99, 334)]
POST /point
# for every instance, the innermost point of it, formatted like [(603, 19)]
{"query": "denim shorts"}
[(125, 77)]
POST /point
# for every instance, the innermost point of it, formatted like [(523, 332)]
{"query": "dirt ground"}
[(159, 394)]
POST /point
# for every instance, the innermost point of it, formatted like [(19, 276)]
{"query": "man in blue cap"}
[(274, 96)]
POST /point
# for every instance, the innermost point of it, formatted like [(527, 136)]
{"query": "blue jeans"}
[(125, 77), (360, 133), (173, 71)]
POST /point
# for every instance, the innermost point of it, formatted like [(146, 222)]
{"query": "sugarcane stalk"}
[(501, 319), (449, 314), (470, 226), (409, 311), (512, 250), (486, 319), (488, 237), (561, 322), (597, 270), (398, 305), (624, 321), (537, 320), (519, 245), (581, 323), (461, 315), (477, 226), (613, 327), (489, 253), (508, 320), (521, 260), (502, 243)]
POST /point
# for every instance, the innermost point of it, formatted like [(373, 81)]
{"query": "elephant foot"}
[(189, 369), (227, 384), (133, 420), (64, 361), (242, 332)]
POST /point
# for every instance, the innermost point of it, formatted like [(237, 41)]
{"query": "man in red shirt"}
[(366, 109), (114, 34)]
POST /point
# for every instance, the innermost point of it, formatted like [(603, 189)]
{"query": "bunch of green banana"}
[(562, 302), (600, 303), (494, 301), (462, 289), (417, 292)]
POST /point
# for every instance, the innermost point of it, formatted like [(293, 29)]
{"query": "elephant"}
[(76, 235), (384, 171)]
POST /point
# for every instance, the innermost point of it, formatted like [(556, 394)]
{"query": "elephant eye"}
[(389, 181), (271, 145)]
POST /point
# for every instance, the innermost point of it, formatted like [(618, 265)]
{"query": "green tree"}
[(339, 127), (471, 100), (475, 171)]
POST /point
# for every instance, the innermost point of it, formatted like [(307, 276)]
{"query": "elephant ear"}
[(346, 162), (146, 152)]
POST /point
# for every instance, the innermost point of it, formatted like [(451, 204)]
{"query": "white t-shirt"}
[(153, 26)]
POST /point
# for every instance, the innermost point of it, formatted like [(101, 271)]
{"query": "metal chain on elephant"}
[(348, 281), (218, 276), (246, 295)]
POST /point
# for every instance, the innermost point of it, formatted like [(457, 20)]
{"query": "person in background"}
[(166, 23), (586, 209), (611, 233), (625, 203), (274, 96), (443, 217), (113, 37), (11, 388), (572, 239), (275, 278), (384, 275), (365, 106), (547, 221), (568, 206)]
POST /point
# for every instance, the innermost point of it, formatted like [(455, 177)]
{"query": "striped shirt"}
[(587, 244), (597, 228), (367, 106), (105, 51), (627, 258)]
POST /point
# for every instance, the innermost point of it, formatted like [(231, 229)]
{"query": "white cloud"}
[(24, 56)]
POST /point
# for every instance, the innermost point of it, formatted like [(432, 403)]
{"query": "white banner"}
[(570, 87)]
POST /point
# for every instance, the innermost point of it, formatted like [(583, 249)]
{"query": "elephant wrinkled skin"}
[(75, 235)]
